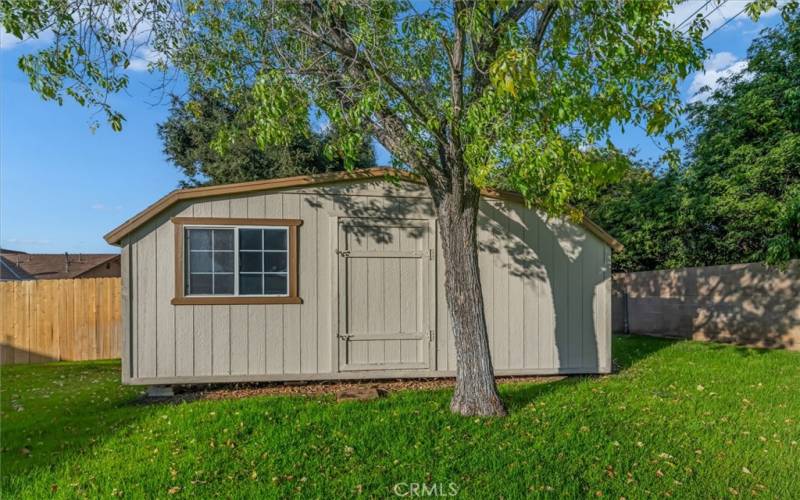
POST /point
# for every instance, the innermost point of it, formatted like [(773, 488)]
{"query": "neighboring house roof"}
[(37, 266), (115, 236)]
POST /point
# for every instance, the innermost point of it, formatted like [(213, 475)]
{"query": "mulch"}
[(236, 391)]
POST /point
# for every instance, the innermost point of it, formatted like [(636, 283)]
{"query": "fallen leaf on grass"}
[(174, 490)]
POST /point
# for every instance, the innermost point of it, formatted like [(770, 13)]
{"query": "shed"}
[(339, 276)]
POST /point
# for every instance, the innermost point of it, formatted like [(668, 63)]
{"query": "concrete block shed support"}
[(160, 391)]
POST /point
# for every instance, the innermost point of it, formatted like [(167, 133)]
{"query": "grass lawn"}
[(680, 419)]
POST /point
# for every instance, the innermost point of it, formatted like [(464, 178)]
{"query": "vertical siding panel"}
[(409, 290), (125, 313), (257, 348), (519, 263), (590, 267), (291, 312), (307, 282), (202, 315), (559, 283), (324, 293), (548, 356), (357, 301), (391, 296), (221, 340), (239, 337), (486, 250), (165, 291), (134, 276), (575, 309), (500, 288), (184, 330), (375, 304), (530, 297), (220, 314), (257, 329), (601, 309), (184, 341), (274, 313), (203, 356), (146, 270)]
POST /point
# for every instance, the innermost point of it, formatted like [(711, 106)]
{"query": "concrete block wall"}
[(747, 304)]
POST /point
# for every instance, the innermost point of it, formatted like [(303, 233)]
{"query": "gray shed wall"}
[(546, 285)]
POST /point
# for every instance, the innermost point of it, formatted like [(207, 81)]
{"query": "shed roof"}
[(115, 236)]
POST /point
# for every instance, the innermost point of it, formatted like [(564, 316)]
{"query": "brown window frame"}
[(181, 298)]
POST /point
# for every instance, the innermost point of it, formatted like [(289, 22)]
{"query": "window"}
[(263, 261), (236, 261), (209, 261)]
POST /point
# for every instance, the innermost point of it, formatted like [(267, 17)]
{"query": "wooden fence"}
[(55, 320)]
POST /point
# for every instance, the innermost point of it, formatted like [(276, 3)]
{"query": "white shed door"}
[(385, 271)]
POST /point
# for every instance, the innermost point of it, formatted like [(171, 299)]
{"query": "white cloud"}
[(9, 41), (716, 67), (716, 12), (143, 57)]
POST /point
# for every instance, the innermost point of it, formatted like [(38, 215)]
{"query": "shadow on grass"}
[(628, 350), (518, 396)]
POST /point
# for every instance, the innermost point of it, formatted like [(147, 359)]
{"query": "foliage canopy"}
[(194, 124), (738, 197)]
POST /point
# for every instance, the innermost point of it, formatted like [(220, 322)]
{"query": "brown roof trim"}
[(115, 236)]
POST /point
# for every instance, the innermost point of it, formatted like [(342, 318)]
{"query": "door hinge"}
[(430, 335), (430, 254), (343, 253)]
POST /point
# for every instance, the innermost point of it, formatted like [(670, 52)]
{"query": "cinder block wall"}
[(748, 304)]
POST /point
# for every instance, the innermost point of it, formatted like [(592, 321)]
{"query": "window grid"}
[(213, 251), (236, 261), (264, 273)]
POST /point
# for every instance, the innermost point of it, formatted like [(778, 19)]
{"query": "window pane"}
[(250, 262), (199, 239), (223, 262), (275, 262), (200, 262), (275, 239), (275, 284), (250, 284), (250, 239), (200, 284), (223, 284), (223, 239)]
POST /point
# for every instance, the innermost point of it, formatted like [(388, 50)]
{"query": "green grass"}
[(680, 418)]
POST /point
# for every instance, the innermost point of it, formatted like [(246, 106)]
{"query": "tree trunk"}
[(476, 391)]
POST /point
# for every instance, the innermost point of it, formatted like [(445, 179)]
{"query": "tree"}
[(737, 198), (641, 210), (190, 132), (743, 179), (466, 94)]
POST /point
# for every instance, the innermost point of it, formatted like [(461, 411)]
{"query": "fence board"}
[(60, 320)]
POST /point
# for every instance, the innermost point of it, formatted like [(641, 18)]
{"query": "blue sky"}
[(62, 186)]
